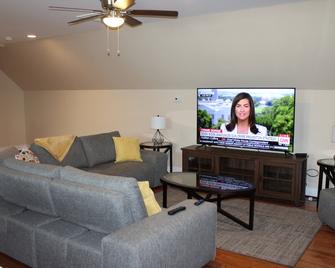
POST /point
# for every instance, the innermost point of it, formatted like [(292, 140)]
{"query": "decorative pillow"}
[(149, 199), (127, 149), (25, 154), (99, 148), (76, 156), (43, 155)]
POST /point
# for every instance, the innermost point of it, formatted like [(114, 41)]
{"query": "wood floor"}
[(319, 254)]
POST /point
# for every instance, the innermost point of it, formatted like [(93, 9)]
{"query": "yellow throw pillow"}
[(127, 149), (149, 198)]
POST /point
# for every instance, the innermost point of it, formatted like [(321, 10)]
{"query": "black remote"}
[(199, 202), (176, 210)]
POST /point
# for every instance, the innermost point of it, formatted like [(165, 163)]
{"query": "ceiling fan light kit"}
[(113, 20)]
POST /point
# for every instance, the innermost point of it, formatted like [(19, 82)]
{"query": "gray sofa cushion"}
[(8, 152), (85, 250), (140, 170), (45, 170), (99, 148), (127, 186), (326, 209), (76, 156), (51, 242), (43, 155), (26, 190), (20, 235), (95, 208), (6, 209)]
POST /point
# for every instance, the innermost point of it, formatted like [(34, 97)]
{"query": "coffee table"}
[(222, 187)]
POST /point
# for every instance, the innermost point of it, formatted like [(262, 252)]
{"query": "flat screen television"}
[(249, 118)]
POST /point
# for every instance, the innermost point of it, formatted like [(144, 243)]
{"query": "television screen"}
[(253, 118)]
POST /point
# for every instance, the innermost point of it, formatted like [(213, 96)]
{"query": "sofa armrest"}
[(159, 162), (186, 239)]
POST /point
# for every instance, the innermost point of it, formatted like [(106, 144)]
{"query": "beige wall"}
[(12, 119), (92, 111)]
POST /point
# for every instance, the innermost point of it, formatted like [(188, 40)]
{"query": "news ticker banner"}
[(282, 139)]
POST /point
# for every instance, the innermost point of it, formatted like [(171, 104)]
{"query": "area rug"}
[(281, 234)]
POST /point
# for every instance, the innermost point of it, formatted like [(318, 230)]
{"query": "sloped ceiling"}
[(18, 18), (288, 44)]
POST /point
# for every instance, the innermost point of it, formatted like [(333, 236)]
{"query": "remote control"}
[(176, 210), (199, 202)]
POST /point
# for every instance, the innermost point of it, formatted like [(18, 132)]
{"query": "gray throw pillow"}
[(43, 155), (99, 148), (76, 156)]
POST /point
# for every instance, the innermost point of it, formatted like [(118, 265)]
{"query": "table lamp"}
[(158, 123)]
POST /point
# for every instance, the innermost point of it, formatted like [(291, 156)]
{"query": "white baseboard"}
[(311, 191)]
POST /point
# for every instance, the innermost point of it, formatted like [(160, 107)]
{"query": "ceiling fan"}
[(115, 13)]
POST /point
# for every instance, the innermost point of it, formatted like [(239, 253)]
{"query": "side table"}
[(327, 167), (167, 146)]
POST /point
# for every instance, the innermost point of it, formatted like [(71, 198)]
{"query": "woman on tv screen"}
[(242, 117)]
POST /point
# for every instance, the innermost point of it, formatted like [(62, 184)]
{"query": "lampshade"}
[(333, 134), (113, 22), (158, 122)]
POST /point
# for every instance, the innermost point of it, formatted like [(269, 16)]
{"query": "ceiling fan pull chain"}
[(118, 42), (108, 42)]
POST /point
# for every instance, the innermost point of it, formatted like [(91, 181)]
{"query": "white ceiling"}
[(21, 17)]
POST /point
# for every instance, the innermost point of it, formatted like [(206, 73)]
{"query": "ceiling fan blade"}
[(131, 21), (160, 13), (123, 4), (73, 9), (88, 14), (89, 18)]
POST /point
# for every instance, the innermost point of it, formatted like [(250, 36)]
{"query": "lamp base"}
[(158, 138)]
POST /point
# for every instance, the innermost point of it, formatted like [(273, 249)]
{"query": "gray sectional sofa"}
[(54, 216), (96, 153), (326, 210)]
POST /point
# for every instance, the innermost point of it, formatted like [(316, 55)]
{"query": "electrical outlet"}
[(177, 99)]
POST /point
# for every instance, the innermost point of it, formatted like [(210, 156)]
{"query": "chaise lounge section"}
[(53, 216)]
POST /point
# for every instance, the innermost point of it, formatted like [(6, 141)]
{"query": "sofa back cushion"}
[(26, 190), (124, 185), (7, 152), (75, 157), (43, 155), (92, 207), (50, 171), (99, 148)]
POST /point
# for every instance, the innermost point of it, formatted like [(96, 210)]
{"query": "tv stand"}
[(278, 176)]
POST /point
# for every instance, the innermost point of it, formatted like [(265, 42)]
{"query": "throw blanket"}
[(58, 146)]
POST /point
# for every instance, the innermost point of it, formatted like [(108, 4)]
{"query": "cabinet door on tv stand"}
[(277, 180), (198, 162), (237, 167)]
